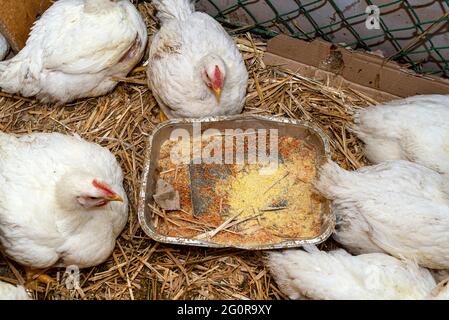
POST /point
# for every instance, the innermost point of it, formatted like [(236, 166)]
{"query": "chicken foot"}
[(33, 276)]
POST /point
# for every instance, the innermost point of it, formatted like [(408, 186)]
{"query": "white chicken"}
[(337, 275), (10, 292), (75, 49), (398, 207), (4, 47), (414, 129), (195, 68), (62, 201)]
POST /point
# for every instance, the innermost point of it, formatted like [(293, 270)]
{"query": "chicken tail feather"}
[(332, 179), (15, 78), (174, 9), (9, 76)]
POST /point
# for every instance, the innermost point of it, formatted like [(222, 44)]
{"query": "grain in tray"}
[(263, 208)]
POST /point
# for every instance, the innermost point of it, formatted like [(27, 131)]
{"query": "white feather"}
[(4, 47), (337, 275), (177, 51), (75, 49), (174, 9), (10, 292), (398, 207), (38, 179), (414, 129)]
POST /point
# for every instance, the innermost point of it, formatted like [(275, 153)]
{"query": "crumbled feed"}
[(269, 206)]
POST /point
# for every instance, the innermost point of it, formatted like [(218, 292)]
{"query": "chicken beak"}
[(114, 197), (217, 93)]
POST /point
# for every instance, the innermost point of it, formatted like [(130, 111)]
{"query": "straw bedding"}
[(140, 268)]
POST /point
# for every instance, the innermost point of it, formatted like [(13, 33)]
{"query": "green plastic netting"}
[(411, 32)]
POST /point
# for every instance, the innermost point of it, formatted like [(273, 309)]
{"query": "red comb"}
[(103, 187), (218, 81)]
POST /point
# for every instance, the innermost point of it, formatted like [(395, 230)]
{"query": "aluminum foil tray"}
[(285, 126)]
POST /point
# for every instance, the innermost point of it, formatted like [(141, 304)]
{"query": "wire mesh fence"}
[(412, 32)]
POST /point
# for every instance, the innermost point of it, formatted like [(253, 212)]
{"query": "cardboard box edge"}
[(368, 72)]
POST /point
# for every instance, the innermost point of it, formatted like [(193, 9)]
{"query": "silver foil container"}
[(286, 126)]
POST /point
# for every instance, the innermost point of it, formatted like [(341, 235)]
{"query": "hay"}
[(140, 268)]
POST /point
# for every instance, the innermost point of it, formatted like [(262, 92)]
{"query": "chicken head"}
[(213, 72), (81, 191)]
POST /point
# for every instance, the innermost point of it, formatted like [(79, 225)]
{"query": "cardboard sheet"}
[(373, 75)]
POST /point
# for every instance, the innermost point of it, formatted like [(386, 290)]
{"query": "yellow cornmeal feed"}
[(284, 198), (280, 203)]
